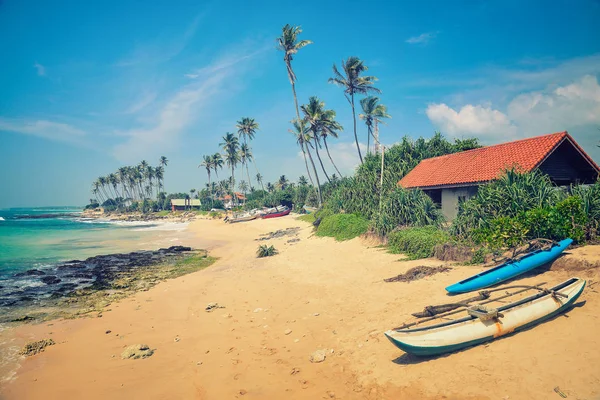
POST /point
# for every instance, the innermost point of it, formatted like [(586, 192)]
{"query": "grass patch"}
[(162, 213), (310, 218), (417, 242), (191, 264), (266, 251), (343, 226)]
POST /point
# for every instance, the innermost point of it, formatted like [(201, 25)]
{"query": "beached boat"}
[(241, 218), (482, 325), (510, 269), (277, 212)]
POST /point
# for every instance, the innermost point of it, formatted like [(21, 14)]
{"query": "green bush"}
[(310, 218), (407, 208), (266, 251), (418, 242), (343, 226)]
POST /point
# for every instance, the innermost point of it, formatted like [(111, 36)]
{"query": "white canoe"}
[(469, 331)]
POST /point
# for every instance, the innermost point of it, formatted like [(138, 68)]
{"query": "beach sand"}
[(331, 296)]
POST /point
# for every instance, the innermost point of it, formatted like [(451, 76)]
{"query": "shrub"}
[(418, 242), (266, 251), (343, 226), (407, 208), (310, 218)]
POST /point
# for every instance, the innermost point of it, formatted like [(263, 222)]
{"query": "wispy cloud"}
[(423, 38), (161, 51), (45, 129), (188, 104), (41, 70), (142, 102)]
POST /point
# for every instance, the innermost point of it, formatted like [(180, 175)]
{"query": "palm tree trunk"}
[(368, 139), (256, 168), (376, 137), (301, 122), (232, 186), (321, 161), (331, 159), (355, 135)]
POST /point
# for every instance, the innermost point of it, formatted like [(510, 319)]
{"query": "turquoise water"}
[(40, 238)]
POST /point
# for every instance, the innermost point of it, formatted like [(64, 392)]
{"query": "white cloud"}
[(41, 70), (574, 107), (45, 129), (481, 121), (423, 38)]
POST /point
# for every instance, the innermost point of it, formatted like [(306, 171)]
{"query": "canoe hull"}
[(277, 214), (470, 331), (509, 270)]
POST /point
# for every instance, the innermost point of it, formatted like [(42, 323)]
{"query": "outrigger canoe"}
[(510, 269), (278, 212), (483, 325), (241, 218)]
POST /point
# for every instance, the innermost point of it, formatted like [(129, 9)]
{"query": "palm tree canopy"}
[(207, 162), (352, 81), (163, 161), (321, 122), (217, 161), (289, 44), (245, 153), (300, 131), (247, 128)]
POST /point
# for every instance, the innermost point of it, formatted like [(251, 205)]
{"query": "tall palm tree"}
[(231, 147), (163, 162), (207, 162), (302, 181), (217, 163), (245, 157), (243, 187), (259, 179), (353, 84), (373, 114), (322, 124), (303, 138), (247, 128), (288, 43)]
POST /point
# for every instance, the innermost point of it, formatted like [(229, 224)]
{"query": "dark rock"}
[(34, 272), (50, 280)]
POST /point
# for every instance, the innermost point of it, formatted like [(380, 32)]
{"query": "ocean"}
[(41, 238)]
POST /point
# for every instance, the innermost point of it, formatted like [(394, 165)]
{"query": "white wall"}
[(450, 199)]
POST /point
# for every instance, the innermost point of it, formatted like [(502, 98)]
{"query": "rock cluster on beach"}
[(95, 273)]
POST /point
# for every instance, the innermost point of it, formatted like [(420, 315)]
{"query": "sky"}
[(87, 87)]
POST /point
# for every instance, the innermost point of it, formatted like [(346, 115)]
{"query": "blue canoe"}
[(510, 269)]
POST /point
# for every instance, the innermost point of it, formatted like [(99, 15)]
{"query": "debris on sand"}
[(417, 273), (212, 306), (292, 231), (136, 351), (33, 348), (318, 356)]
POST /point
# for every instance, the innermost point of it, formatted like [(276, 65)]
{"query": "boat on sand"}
[(278, 211), (510, 268), (482, 324)]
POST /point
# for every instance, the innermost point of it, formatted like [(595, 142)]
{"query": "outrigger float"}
[(510, 268), (482, 323)]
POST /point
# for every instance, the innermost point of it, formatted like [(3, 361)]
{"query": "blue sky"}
[(91, 86)]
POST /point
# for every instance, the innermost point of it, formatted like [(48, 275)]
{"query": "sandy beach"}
[(316, 294)]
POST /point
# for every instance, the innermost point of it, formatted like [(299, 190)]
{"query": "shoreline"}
[(330, 295)]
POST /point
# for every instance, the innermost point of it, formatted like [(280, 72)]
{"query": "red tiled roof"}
[(486, 163)]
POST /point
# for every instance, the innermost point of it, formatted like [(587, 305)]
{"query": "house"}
[(184, 204), (455, 177), (227, 203)]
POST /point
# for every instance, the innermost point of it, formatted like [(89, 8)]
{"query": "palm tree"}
[(259, 179), (373, 114), (321, 124), (243, 187), (207, 162), (247, 128), (270, 187), (288, 43), (302, 181), (163, 162), (353, 84), (217, 163), (231, 146), (302, 135), (245, 156), (282, 182)]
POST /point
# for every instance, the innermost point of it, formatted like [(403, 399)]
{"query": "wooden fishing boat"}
[(510, 269), (241, 218), (482, 324), (277, 212)]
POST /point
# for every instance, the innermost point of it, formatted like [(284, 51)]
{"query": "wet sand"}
[(331, 295)]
